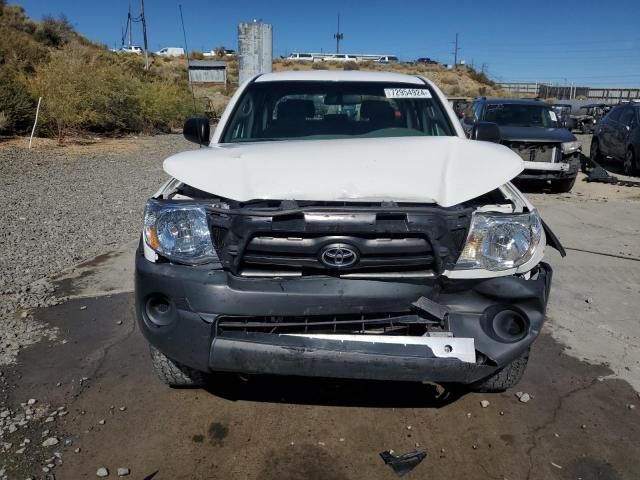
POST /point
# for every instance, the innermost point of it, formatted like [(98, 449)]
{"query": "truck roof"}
[(516, 101), (339, 76)]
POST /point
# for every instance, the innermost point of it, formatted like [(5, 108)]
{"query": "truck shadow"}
[(332, 392)]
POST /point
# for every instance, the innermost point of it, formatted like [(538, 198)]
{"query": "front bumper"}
[(187, 330), (567, 168)]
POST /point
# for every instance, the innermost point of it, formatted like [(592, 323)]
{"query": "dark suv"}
[(618, 136), (532, 130)]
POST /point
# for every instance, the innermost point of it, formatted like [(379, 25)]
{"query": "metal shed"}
[(207, 71)]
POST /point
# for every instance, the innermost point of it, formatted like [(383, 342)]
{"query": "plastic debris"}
[(403, 464)]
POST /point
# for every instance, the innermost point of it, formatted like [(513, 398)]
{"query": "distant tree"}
[(219, 52)]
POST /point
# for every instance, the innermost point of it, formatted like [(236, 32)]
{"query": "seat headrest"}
[(296, 109), (377, 111)]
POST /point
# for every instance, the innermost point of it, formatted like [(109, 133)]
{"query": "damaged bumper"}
[(211, 320), (567, 168)]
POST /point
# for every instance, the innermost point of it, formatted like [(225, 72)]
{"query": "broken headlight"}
[(500, 242), (178, 231), (570, 147)]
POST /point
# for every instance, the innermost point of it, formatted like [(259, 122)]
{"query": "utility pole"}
[(129, 26), (144, 33), (455, 51), (338, 36)]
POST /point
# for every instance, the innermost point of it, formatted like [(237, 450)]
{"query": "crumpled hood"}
[(442, 170), (536, 134)]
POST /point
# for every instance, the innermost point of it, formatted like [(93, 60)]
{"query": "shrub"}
[(62, 82), (318, 66), (4, 121), (351, 66), (54, 32), (16, 103)]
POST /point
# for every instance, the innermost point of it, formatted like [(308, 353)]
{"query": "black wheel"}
[(630, 163), (175, 374), (595, 154), (504, 379), (563, 186)]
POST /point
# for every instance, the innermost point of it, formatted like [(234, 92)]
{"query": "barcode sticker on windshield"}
[(407, 93)]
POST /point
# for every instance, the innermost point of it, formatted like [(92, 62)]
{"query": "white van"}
[(170, 52)]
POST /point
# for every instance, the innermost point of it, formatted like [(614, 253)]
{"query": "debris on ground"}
[(123, 471), (523, 397), (50, 442), (102, 472), (403, 464), (556, 465), (484, 403)]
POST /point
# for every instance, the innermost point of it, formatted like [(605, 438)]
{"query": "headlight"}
[(500, 242), (570, 147), (178, 231)]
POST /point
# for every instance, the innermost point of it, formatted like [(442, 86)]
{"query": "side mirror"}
[(486, 132), (197, 130)]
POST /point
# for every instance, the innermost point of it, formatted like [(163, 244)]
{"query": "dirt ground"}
[(583, 379)]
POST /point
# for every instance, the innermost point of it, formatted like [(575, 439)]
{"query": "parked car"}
[(459, 105), (563, 113), (530, 128), (302, 241), (387, 59), (300, 57), (426, 61), (170, 52), (132, 49), (337, 57), (587, 118), (618, 136)]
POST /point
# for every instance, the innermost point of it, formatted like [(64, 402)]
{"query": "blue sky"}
[(586, 42)]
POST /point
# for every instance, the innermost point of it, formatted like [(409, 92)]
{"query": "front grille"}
[(536, 151), (308, 254), (390, 323)]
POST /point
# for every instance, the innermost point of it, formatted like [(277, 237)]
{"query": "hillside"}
[(88, 89)]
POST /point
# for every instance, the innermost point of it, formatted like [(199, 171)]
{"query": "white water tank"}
[(255, 49)]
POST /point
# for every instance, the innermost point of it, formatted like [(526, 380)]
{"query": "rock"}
[(524, 398), (102, 472), (5, 414), (102, 422), (119, 322), (501, 413), (123, 471), (122, 409), (49, 419), (78, 450), (556, 465), (83, 307), (484, 403), (31, 401), (50, 442), (631, 406), (583, 426), (409, 427), (588, 300), (46, 469)]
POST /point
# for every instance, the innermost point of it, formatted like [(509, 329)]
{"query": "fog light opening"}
[(510, 325), (160, 310)]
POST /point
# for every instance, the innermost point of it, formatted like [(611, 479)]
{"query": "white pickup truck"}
[(339, 224)]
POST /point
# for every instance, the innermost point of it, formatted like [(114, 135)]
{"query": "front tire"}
[(563, 186), (505, 378), (630, 163), (175, 374)]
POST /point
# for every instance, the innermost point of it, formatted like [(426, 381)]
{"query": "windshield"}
[(520, 115), (324, 110)]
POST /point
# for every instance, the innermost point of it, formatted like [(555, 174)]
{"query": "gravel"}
[(63, 205)]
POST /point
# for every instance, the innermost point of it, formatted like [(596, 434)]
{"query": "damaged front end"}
[(370, 289)]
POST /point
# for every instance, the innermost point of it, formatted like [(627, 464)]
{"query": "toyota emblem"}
[(338, 255)]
